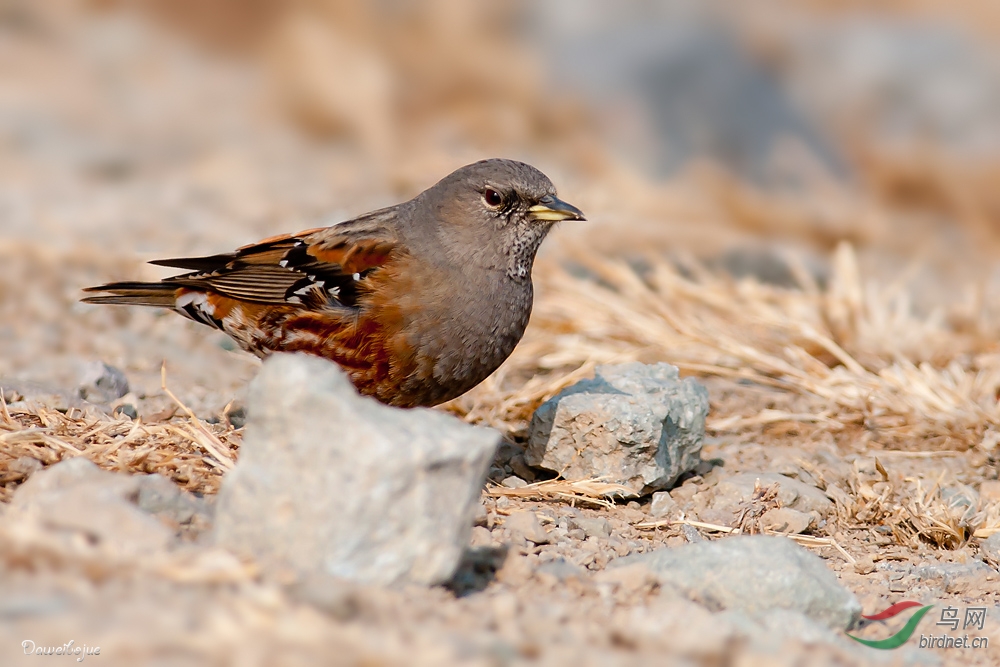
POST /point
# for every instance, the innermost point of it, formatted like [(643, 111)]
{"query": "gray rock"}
[(753, 574), (592, 526), (23, 393), (525, 525), (482, 516), (102, 383), (561, 569), (691, 534), (963, 498), (77, 495), (513, 482), (786, 520), (991, 547), (731, 492), (663, 505), (480, 536), (334, 483), (633, 424), (128, 410), (955, 578), (341, 599), (158, 495)]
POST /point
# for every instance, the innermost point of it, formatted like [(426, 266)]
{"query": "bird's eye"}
[(492, 198)]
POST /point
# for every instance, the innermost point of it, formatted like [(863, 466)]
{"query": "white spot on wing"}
[(198, 299)]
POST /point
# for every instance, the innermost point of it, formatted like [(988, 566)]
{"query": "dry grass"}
[(858, 352), (584, 491), (860, 358), (864, 363), (176, 449), (908, 510)]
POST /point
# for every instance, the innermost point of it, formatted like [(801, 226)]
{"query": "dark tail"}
[(160, 295)]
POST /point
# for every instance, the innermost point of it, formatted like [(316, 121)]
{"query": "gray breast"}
[(483, 331)]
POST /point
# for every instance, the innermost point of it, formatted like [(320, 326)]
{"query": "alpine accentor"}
[(418, 302)]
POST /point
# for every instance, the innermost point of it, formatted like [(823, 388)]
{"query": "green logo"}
[(900, 638)]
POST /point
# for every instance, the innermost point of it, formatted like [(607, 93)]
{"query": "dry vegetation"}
[(861, 363), (881, 348)]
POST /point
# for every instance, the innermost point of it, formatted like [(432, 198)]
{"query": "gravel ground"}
[(119, 144)]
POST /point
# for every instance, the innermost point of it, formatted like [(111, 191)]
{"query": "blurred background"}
[(738, 133)]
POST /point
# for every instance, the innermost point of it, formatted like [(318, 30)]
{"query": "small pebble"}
[(128, 410), (592, 526), (663, 505), (482, 516), (691, 534), (514, 482), (102, 383), (527, 526)]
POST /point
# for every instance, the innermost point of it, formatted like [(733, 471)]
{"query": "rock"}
[(753, 574), (482, 516), (633, 424), (786, 520), (962, 499), (477, 569), (663, 506), (719, 517), (23, 467), (158, 495), (19, 394), (513, 482), (102, 383), (236, 415), (525, 525), (592, 526), (731, 492), (128, 410), (629, 579), (561, 569), (77, 495), (691, 534), (340, 599), (521, 469), (955, 578), (480, 536), (510, 460), (990, 547), (331, 482)]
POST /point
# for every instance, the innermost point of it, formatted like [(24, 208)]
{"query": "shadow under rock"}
[(477, 569)]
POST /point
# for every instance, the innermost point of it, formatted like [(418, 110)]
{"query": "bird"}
[(418, 302)]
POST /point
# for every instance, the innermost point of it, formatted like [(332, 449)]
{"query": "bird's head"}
[(495, 214)]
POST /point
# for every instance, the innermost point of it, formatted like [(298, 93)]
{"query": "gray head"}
[(493, 214)]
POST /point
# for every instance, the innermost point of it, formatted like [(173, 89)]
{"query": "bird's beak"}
[(552, 209)]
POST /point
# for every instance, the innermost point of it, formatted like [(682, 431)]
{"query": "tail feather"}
[(159, 295)]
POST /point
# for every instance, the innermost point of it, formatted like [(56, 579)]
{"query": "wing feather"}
[(314, 269)]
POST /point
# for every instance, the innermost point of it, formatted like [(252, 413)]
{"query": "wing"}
[(314, 269)]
